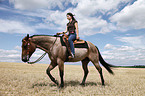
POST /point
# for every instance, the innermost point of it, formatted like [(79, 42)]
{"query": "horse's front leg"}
[(85, 68), (51, 66), (61, 70)]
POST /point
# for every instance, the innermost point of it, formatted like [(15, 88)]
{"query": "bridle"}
[(41, 57), (28, 48)]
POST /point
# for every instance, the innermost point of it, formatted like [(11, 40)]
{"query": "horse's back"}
[(82, 53)]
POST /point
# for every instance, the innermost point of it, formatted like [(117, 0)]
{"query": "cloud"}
[(90, 14), (122, 55), (53, 13), (27, 4), (37, 4), (131, 53), (91, 7), (15, 55), (131, 17), (136, 41), (92, 25), (109, 46), (18, 48), (9, 55), (57, 19), (11, 26)]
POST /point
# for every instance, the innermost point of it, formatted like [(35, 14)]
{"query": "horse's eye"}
[(25, 46)]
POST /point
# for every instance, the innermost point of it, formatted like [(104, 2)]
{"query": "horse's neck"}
[(44, 41)]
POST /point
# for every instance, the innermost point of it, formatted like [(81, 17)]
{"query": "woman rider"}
[(72, 28)]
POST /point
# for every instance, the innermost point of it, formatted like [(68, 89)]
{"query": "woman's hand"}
[(58, 33), (78, 38), (61, 33)]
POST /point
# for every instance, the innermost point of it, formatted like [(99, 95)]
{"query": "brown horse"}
[(57, 55)]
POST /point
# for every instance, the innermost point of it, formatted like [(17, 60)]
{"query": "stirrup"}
[(72, 56)]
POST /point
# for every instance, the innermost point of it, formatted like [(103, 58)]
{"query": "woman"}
[(72, 28)]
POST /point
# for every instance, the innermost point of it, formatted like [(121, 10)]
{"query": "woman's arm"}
[(77, 31), (62, 32), (66, 30)]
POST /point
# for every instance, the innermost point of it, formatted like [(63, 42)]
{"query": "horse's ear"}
[(27, 36)]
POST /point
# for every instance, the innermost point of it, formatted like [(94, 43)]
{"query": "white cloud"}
[(18, 47), (9, 55), (2, 51), (126, 48), (15, 55), (92, 25), (89, 22), (109, 46), (82, 5), (137, 41), (91, 7), (56, 19), (131, 53), (132, 16), (10, 26), (122, 55), (37, 4), (29, 4), (85, 10)]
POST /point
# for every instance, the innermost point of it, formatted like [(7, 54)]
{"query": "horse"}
[(57, 54)]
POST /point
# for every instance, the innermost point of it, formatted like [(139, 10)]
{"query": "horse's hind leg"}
[(95, 60), (96, 64), (85, 68), (51, 66)]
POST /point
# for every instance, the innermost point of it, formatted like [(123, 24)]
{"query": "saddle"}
[(77, 43), (80, 41)]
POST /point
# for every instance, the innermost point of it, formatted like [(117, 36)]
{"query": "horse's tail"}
[(106, 65)]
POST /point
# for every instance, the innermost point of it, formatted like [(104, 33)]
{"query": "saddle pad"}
[(81, 45)]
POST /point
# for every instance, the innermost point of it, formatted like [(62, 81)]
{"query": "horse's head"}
[(28, 48)]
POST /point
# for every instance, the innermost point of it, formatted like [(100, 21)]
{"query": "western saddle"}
[(65, 39)]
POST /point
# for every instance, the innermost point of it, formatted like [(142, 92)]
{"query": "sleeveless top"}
[(71, 27)]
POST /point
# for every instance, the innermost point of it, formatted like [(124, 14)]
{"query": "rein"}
[(37, 59), (42, 56)]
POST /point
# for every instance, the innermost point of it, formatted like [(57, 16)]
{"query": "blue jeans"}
[(71, 38)]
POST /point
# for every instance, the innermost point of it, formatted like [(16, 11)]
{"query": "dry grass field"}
[(20, 79)]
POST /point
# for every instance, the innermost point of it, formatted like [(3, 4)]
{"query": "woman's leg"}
[(71, 38)]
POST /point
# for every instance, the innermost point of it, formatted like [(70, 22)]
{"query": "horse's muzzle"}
[(25, 58)]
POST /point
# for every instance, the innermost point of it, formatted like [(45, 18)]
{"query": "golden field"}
[(21, 79)]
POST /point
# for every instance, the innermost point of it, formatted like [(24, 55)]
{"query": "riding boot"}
[(71, 56)]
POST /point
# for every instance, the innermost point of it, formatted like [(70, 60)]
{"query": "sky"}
[(116, 27)]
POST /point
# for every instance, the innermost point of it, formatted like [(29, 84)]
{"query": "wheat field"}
[(21, 79)]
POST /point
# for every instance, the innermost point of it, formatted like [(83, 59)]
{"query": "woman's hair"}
[(70, 14)]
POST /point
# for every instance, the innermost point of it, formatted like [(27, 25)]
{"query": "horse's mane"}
[(44, 35)]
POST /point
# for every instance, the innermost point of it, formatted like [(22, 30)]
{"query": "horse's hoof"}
[(56, 82), (82, 84), (103, 85), (61, 86)]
